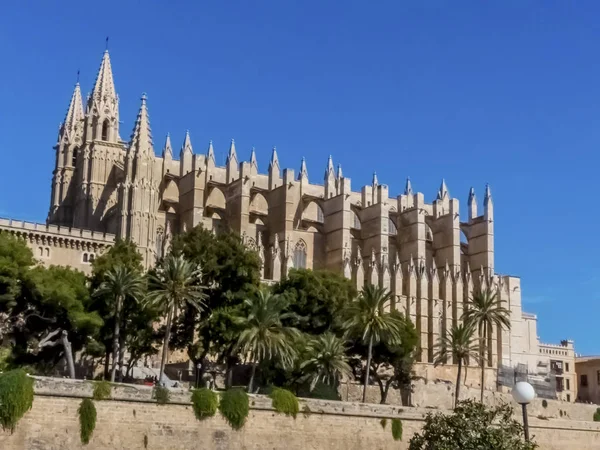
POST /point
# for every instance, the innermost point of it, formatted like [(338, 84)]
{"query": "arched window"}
[(356, 222), (74, 159), (300, 255), (393, 231), (105, 127), (92, 257), (85, 257), (47, 252), (40, 251)]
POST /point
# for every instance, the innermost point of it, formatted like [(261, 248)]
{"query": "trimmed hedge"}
[(16, 397), (285, 402), (234, 407), (205, 403)]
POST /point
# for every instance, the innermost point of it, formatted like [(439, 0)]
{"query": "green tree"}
[(54, 302), (485, 311), (119, 284), (16, 260), (325, 360), (472, 426), (172, 286), (123, 254), (230, 274), (316, 298), (366, 318), (458, 344), (264, 337)]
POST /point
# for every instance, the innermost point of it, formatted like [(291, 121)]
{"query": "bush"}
[(285, 402), (16, 397), (397, 429), (597, 415), (234, 407), (87, 420), (102, 390), (205, 403), (162, 395)]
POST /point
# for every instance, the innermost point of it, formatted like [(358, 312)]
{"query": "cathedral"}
[(431, 259)]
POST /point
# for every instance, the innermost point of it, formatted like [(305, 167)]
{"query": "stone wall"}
[(132, 421)]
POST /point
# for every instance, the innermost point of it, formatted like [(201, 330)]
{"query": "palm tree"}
[(485, 311), (120, 283), (264, 336), (175, 283), (326, 360), (365, 317), (461, 344)]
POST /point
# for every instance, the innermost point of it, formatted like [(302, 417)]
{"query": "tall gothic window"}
[(74, 160), (105, 127), (300, 255)]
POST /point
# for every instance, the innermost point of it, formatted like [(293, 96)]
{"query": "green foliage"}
[(325, 360), (234, 407), (15, 261), (123, 253), (383, 423), (162, 395), (102, 390), (397, 429), (315, 298), (321, 391), (205, 403), (285, 402), (87, 419), (472, 426), (16, 397), (597, 415)]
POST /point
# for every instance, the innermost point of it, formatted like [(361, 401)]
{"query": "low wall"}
[(131, 420)]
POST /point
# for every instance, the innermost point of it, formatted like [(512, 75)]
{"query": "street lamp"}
[(523, 394)]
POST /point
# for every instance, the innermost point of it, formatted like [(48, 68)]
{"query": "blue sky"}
[(506, 93)]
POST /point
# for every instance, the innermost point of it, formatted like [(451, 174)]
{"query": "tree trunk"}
[(251, 384), (121, 355), (106, 364), (165, 345), (369, 355), (115, 354), (68, 354), (457, 391), (482, 343), (386, 390)]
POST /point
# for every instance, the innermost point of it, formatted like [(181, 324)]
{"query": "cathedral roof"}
[(141, 137), (104, 88)]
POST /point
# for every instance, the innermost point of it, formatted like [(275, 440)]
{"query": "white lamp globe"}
[(523, 393)]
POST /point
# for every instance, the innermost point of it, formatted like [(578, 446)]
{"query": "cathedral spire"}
[(104, 88), (443, 192), (232, 155), (330, 169), (210, 154), (167, 149), (253, 161), (339, 172), (488, 204), (186, 148), (375, 180), (74, 114), (141, 137), (472, 204), (408, 190), (303, 170), (274, 160)]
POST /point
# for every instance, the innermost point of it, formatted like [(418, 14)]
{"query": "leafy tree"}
[(264, 337), (472, 426), (485, 311), (391, 362), (55, 302), (230, 274), (122, 254), (366, 318), (326, 360), (172, 286), (120, 283), (316, 298), (460, 344), (16, 259)]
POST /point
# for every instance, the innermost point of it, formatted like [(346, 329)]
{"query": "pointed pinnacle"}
[(167, 149), (253, 157), (104, 87), (408, 188), (274, 159), (471, 195), (375, 181), (488, 194), (141, 137), (330, 164), (339, 171), (303, 170), (211, 152), (232, 154), (443, 192), (75, 111)]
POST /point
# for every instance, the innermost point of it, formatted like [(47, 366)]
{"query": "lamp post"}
[(523, 393)]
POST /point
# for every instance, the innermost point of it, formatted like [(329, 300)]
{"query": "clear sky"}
[(506, 93)]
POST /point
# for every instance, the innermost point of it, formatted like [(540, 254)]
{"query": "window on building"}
[(300, 255), (85, 257), (566, 367), (74, 159), (105, 127), (568, 384), (568, 397), (92, 257), (584, 380)]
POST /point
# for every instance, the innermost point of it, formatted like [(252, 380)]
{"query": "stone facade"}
[(588, 378), (131, 420), (428, 257)]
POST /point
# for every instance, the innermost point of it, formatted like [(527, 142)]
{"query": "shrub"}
[(205, 403), (162, 395), (597, 415), (234, 407), (397, 429), (87, 419), (16, 397), (544, 403), (285, 402), (102, 390), (383, 423)]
